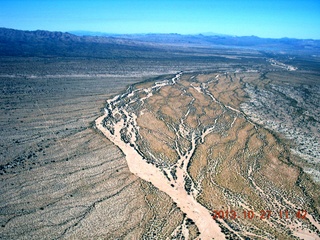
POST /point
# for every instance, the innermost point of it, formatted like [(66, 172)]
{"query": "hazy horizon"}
[(79, 32), (271, 19), (102, 34)]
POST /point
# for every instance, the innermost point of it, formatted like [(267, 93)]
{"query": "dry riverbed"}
[(188, 136)]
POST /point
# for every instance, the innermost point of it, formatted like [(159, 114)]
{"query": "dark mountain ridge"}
[(50, 44), (46, 44)]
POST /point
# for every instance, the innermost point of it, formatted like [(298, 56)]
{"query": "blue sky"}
[(263, 18)]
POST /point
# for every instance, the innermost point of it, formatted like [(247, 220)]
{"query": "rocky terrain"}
[(293, 111), (60, 178), (112, 138), (189, 137)]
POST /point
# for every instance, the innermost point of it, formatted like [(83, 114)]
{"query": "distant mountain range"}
[(214, 39), (85, 44)]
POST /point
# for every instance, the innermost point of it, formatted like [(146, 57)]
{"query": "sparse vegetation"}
[(224, 122)]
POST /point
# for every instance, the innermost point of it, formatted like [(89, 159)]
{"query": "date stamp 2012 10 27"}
[(263, 214)]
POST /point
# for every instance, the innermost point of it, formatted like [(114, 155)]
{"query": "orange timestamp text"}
[(263, 214)]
